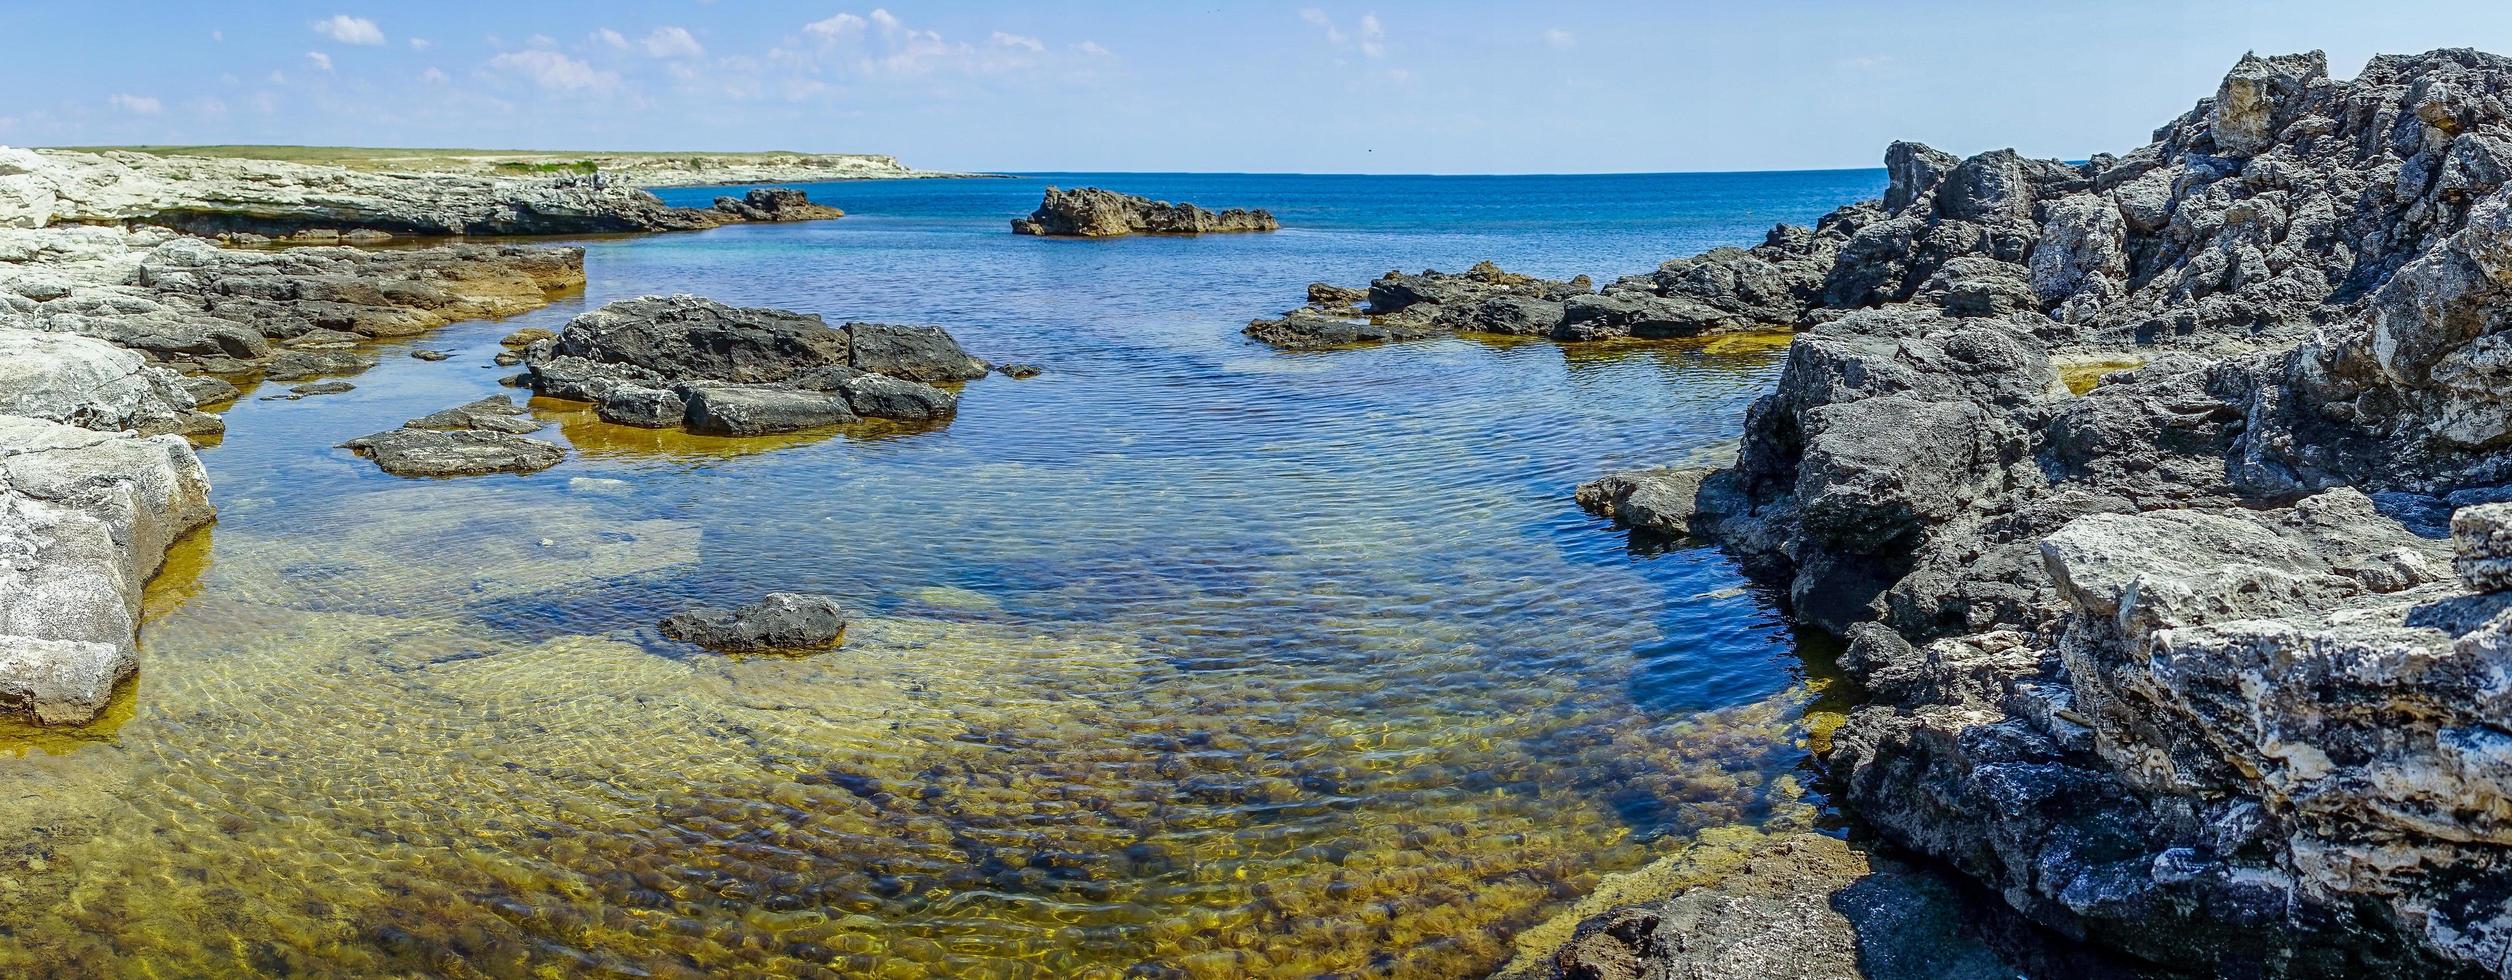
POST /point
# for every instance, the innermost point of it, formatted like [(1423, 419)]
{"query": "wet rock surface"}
[(666, 361), (1090, 212), (455, 452), (778, 621), (2195, 665)]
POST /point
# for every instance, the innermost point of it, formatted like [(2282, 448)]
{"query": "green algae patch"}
[(2083, 372)]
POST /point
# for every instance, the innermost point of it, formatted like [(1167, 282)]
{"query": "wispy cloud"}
[(881, 45), (613, 39), (553, 71), (349, 30), (421, 44), (1560, 40), (320, 61), (137, 105), (672, 42), (1369, 36)]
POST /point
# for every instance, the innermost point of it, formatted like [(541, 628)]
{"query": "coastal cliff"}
[(2179, 665)]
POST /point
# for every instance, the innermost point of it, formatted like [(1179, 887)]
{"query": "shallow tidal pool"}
[(1187, 658)]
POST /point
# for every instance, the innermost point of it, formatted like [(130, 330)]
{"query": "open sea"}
[(1186, 658)]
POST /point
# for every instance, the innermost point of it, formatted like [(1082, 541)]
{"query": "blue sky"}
[(1387, 86)]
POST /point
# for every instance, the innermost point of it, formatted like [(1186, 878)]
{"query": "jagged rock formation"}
[(665, 361), (2180, 665), (771, 204), (1411, 306), (271, 199), (1089, 212)]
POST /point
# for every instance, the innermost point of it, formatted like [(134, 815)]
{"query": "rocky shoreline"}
[(121, 327), (2178, 666)]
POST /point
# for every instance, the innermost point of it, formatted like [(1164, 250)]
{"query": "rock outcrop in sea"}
[(2181, 665), (787, 621), (686, 361), (1090, 212)]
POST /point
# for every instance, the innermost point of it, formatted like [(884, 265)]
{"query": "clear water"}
[(1187, 658)]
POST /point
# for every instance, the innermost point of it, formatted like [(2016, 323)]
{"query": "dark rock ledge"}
[(689, 362), (2204, 666)]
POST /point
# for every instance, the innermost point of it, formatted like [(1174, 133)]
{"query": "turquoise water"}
[(1189, 657)]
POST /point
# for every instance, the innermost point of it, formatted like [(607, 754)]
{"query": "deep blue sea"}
[(1187, 657)]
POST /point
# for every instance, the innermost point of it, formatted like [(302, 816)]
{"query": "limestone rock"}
[(2483, 536), (85, 519)]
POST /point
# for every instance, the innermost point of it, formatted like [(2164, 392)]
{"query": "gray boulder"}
[(778, 621), (463, 452), (751, 410), (1090, 212)]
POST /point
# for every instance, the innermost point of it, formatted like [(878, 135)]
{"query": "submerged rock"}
[(459, 452), (1089, 212), (778, 621)]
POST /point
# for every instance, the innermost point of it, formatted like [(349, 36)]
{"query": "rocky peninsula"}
[(656, 169), (2179, 666), (1089, 212)]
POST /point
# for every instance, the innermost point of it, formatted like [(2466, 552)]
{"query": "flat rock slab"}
[(466, 452), (495, 413)]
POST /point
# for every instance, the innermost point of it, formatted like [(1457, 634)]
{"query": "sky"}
[(1318, 86)]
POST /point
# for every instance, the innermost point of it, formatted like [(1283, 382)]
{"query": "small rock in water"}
[(549, 542), (322, 388), (1020, 369), (528, 336), (495, 413), (778, 621), (597, 484), (506, 359), (468, 452), (2483, 536), (429, 355)]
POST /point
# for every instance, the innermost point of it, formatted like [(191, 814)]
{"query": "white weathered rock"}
[(88, 383), (85, 520), (2482, 536)]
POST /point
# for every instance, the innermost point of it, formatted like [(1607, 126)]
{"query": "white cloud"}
[(349, 30), (881, 45), (553, 71), (433, 76), (612, 38), (138, 105), (1334, 35), (320, 61), (672, 42), (1560, 40), (210, 107), (541, 41), (1369, 33), (218, 36), (421, 44), (278, 77), (1864, 62), (1093, 49), (840, 26)]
